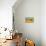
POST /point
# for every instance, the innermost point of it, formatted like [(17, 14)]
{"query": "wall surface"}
[(43, 22), (6, 16), (6, 13), (29, 8), (36, 30)]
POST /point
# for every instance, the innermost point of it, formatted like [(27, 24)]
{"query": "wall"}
[(6, 16), (43, 22), (29, 8), (6, 13)]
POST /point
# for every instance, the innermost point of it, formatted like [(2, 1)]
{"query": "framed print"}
[(29, 19)]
